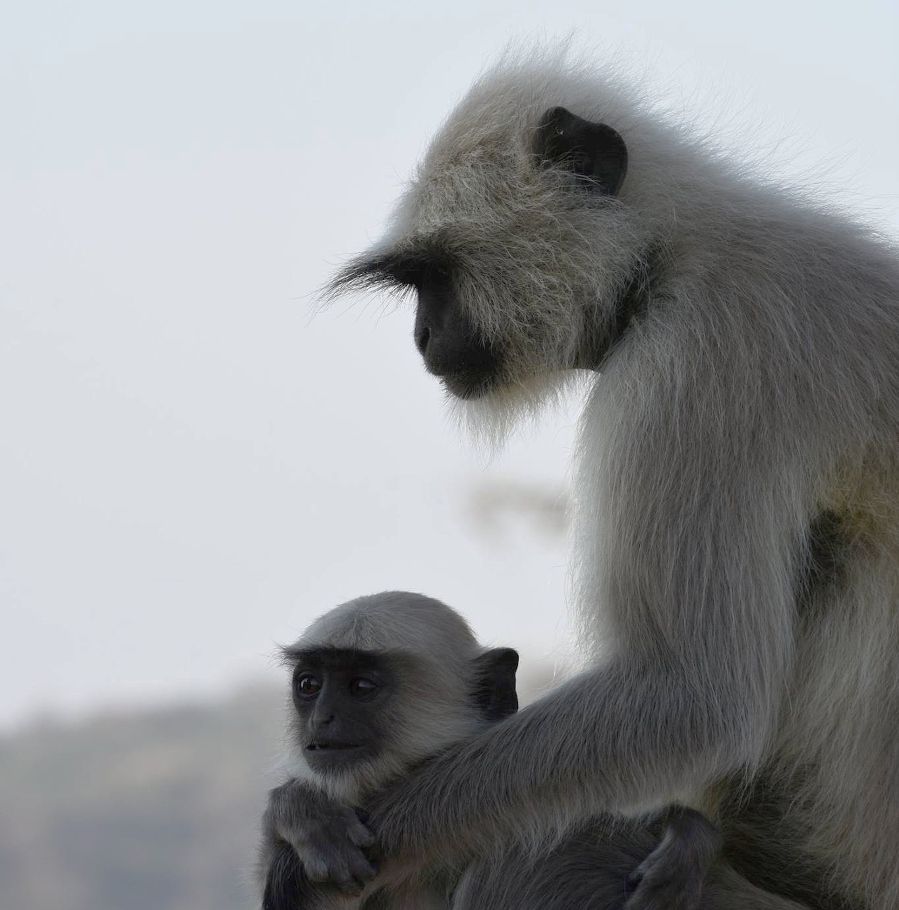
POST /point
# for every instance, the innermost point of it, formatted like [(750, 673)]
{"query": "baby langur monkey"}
[(384, 681)]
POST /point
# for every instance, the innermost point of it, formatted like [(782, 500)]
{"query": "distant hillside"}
[(156, 810), (152, 811)]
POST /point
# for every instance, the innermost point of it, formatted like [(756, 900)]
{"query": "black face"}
[(447, 339), (342, 700)]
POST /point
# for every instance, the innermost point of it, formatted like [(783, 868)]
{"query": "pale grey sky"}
[(190, 467)]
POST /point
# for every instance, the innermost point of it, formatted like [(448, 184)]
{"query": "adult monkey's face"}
[(496, 240), (452, 347)]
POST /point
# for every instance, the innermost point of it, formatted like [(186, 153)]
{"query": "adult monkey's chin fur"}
[(490, 419)]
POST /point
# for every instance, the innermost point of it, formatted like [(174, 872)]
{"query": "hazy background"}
[(191, 467)]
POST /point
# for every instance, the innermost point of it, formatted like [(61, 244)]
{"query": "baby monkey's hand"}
[(329, 838)]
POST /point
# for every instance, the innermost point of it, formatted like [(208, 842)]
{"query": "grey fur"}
[(755, 389), (311, 812), (314, 846)]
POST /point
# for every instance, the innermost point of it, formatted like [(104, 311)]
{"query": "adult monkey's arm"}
[(694, 580)]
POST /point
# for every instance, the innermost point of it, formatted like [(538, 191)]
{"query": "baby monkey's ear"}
[(592, 152), (493, 673)]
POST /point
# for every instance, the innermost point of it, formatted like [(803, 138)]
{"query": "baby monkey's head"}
[(386, 680)]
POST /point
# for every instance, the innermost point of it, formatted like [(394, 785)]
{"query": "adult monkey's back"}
[(737, 489)]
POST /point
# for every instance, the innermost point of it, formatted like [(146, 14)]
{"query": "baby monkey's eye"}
[(359, 685), (308, 684)]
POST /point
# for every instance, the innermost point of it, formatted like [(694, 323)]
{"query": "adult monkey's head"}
[(516, 236)]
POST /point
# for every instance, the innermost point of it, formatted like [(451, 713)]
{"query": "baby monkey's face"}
[(342, 700)]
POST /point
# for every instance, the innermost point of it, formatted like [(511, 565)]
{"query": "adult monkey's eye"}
[(359, 685), (308, 684)]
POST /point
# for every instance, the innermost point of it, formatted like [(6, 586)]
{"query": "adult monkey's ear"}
[(493, 683), (592, 152)]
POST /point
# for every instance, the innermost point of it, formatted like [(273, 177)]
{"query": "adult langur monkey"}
[(383, 681), (737, 484)]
